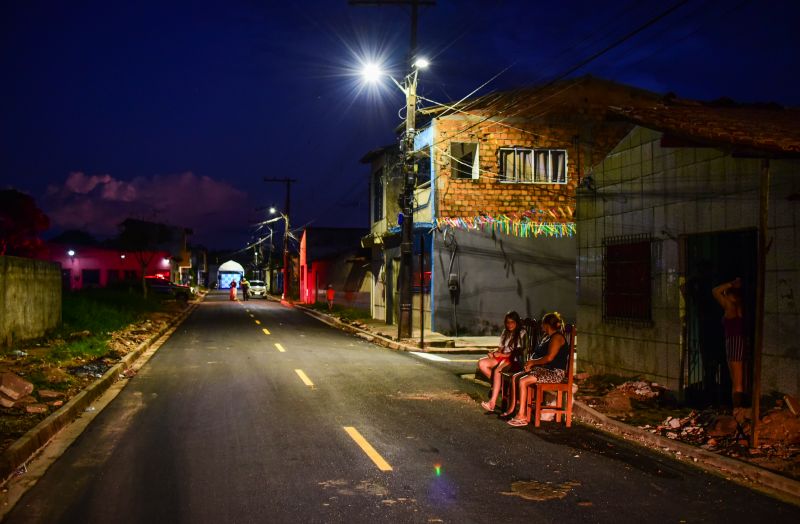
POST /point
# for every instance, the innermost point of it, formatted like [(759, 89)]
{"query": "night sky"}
[(175, 111)]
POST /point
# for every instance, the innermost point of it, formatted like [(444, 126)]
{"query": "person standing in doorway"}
[(245, 289), (729, 296)]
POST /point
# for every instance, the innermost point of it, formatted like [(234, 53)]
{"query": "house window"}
[(377, 195), (464, 159), (626, 279), (540, 166)]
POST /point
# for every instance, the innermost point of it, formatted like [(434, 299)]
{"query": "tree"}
[(141, 240), (21, 222)]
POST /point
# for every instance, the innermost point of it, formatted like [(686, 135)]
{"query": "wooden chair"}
[(531, 327), (563, 390)]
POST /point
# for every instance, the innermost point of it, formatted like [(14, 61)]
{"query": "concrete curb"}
[(377, 339), (752, 476), (21, 451), (742, 472)]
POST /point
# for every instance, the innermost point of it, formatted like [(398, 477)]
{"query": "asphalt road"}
[(253, 412)]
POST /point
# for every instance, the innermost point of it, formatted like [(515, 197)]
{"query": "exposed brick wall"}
[(541, 120)]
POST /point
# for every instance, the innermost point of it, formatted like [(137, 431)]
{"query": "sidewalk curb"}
[(741, 472), (738, 471), (21, 451), (377, 339)]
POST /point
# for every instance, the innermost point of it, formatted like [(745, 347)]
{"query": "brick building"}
[(494, 203)]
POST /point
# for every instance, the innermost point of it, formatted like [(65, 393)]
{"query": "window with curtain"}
[(539, 166)]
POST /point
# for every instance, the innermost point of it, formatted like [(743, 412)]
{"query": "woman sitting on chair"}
[(548, 365), (512, 341)]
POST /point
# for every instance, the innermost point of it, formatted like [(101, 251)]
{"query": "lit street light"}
[(372, 73)]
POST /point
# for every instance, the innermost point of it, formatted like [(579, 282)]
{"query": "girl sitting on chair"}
[(548, 365), (512, 341)]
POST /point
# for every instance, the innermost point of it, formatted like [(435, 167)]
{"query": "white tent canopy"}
[(229, 272)]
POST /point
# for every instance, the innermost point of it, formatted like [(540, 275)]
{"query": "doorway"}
[(711, 259)]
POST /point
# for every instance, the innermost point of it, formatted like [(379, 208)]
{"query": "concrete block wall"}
[(30, 298), (642, 187)]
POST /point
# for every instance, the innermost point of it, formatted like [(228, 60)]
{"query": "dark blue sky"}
[(175, 111)]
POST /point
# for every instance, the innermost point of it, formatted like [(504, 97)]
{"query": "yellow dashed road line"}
[(258, 322), (304, 377), (368, 449), (280, 348), (265, 330)]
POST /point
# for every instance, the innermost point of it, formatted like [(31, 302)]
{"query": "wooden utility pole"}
[(285, 215), (758, 343)]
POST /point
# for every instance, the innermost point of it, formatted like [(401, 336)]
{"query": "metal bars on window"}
[(627, 279)]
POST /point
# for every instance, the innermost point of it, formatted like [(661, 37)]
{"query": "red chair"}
[(563, 390)]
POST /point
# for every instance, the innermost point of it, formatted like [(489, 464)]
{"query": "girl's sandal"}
[(518, 422), (486, 406)]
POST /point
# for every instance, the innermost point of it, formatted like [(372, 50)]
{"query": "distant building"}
[(334, 256), (96, 266)]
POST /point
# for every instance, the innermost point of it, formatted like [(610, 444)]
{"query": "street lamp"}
[(372, 73), (285, 218)]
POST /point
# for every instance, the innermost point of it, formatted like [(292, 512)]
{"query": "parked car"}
[(162, 286), (257, 288)]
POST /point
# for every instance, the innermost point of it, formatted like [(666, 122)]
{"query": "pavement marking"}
[(258, 322), (251, 315), (265, 330), (368, 449), (430, 356), (304, 377), (280, 348)]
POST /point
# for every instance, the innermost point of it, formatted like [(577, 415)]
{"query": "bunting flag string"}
[(534, 223)]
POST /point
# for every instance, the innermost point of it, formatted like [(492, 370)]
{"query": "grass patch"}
[(100, 312), (344, 313)]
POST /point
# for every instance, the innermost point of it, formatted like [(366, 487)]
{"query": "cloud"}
[(213, 209)]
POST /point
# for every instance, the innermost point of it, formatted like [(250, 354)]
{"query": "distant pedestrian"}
[(233, 290), (245, 289), (330, 295)]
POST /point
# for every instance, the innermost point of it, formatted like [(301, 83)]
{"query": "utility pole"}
[(285, 214), (406, 199)]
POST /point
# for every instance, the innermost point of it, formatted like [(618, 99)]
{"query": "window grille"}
[(627, 282)]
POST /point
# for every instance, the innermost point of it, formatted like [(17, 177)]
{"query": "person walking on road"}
[(233, 290), (245, 289)]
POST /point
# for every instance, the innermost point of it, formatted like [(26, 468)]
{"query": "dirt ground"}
[(53, 383), (727, 432)]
